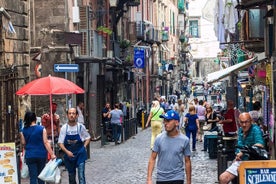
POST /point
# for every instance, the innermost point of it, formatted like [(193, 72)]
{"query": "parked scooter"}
[(252, 153)]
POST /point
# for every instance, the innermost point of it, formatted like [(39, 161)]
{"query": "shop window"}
[(193, 28)]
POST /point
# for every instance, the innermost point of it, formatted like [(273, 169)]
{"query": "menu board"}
[(8, 165)]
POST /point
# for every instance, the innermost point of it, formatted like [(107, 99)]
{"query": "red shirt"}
[(230, 127)]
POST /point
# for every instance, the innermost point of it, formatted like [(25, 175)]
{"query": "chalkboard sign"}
[(258, 172)]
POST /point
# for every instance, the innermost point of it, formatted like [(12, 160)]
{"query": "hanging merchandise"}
[(261, 73), (230, 16), (240, 56), (218, 24)]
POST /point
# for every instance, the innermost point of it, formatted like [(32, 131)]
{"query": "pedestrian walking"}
[(155, 121), (106, 123), (248, 135), (73, 140), (205, 93), (201, 111), (192, 125), (34, 140), (116, 120), (173, 151), (182, 117)]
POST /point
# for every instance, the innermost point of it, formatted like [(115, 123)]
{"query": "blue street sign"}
[(66, 67), (139, 57)]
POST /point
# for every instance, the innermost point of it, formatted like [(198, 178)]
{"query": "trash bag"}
[(51, 172), (24, 170)]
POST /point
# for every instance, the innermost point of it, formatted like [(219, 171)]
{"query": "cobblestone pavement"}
[(127, 163)]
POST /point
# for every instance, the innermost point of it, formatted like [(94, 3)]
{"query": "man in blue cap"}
[(172, 148)]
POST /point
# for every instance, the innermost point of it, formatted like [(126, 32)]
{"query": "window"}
[(256, 23), (193, 28)]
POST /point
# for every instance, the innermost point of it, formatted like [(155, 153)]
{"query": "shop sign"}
[(258, 172)]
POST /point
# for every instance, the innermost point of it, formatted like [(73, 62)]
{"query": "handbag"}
[(24, 171), (208, 126)]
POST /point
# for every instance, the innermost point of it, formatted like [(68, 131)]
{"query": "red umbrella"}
[(50, 86)]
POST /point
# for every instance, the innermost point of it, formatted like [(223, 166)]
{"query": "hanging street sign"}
[(66, 67), (139, 57)]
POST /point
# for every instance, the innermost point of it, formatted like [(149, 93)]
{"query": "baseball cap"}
[(169, 115)]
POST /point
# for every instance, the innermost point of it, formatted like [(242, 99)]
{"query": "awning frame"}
[(218, 75)]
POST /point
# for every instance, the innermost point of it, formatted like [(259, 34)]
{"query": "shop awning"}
[(216, 76)]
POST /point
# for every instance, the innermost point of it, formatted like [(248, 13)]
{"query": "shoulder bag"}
[(208, 126), (155, 113)]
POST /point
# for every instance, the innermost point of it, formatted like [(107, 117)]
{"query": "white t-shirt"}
[(73, 130)]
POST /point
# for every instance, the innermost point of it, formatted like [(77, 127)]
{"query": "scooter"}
[(253, 153)]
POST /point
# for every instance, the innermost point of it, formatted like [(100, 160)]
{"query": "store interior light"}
[(243, 85), (113, 3)]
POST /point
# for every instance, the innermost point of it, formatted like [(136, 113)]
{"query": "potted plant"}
[(100, 30), (124, 43), (104, 30)]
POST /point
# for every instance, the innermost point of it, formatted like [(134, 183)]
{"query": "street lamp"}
[(113, 3)]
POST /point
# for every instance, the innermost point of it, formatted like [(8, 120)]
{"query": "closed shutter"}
[(84, 27)]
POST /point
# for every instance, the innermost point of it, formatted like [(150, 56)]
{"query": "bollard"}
[(102, 136), (143, 119), (222, 163), (122, 131)]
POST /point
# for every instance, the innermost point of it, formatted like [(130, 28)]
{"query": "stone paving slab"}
[(127, 163)]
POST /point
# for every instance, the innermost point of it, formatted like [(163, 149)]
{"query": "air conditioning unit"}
[(150, 35), (76, 14), (157, 36), (140, 29)]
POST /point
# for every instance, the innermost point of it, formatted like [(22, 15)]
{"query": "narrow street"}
[(127, 163)]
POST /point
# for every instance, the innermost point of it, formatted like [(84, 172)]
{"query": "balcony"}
[(133, 3)]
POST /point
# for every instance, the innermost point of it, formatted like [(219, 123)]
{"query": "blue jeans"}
[(72, 173), (116, 131), (188, 134), (35, 166)]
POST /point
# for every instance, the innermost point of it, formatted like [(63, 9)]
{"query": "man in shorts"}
[(248, 135)]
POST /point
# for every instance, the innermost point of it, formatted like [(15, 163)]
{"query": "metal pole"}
[(147, 84)]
